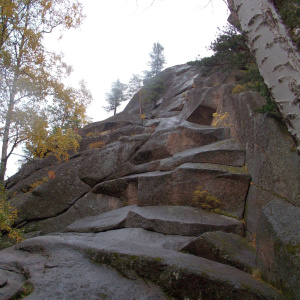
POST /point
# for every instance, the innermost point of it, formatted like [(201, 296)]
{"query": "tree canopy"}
[(116, 96), (157, 60), (31, 77)]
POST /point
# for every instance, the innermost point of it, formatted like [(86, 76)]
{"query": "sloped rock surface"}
[(119, 269), (140, 191)]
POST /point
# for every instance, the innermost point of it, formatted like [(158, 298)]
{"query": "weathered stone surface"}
[(164, 143), (228, 186), (89, 205), (120, 265), (227, 152), (269, 151), (114, 219), (226, 248), (101, 163), (11, 283), (99, 139), (278, 246), (52, 197), (180, 220), (48, 262), (175, 220), (125, 188)]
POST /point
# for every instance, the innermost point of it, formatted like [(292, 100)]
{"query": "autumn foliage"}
[(36, 107), (8, 215)]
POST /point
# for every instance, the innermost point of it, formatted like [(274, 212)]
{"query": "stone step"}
[(171, 220), (226, 248), (201, 185), (140, 271), (228, 152), (166, 142), (207, 186)]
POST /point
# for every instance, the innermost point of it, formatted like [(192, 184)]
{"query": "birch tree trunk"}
[(276, 57)]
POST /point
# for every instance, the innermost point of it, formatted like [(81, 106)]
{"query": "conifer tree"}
[(116, 96), (157, 60), (134, 86)]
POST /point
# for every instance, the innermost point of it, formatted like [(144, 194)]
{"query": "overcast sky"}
[(117, 36)]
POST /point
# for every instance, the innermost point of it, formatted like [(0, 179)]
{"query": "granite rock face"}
[(193, 176)]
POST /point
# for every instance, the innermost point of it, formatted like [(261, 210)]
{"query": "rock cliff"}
[(197, 200)]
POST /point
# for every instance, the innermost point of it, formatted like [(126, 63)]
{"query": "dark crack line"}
[(56, 215)]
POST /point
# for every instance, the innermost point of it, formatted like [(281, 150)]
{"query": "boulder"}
[(226, 248), (278, 246), (164, 143), (98, 164), (52, 196)]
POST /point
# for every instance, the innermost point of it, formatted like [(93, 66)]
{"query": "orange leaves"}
[(51, 174)]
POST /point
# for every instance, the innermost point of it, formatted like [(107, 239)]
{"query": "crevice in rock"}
[(28, 221)]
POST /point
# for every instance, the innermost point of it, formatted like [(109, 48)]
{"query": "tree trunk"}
[(276, 57), (5, 141)]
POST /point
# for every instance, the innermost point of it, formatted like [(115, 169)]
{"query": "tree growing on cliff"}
[(116, 96), (157, 60), (30, 75), (134, 86)]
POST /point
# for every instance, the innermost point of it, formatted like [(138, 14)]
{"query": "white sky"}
[(117, 36)]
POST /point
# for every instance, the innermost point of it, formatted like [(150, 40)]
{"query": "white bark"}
[(276, 57)]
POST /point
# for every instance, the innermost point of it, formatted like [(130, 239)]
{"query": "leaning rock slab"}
[(114, 219), (180, 220), (278, 246)]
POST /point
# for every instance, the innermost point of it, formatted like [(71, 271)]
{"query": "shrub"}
[(205, 200), (8, 215)]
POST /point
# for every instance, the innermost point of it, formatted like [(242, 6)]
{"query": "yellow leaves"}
[(239, 88), (220, 119), (8, 215), (96, 145), (205, 200)]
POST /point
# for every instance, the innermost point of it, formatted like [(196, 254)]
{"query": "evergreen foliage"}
[(289, 11), (153, 89), (134, 86), (157, 60), (116, 96)]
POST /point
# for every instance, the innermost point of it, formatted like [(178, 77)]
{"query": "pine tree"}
[(116, 96), (157, 60), (134, 86)]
